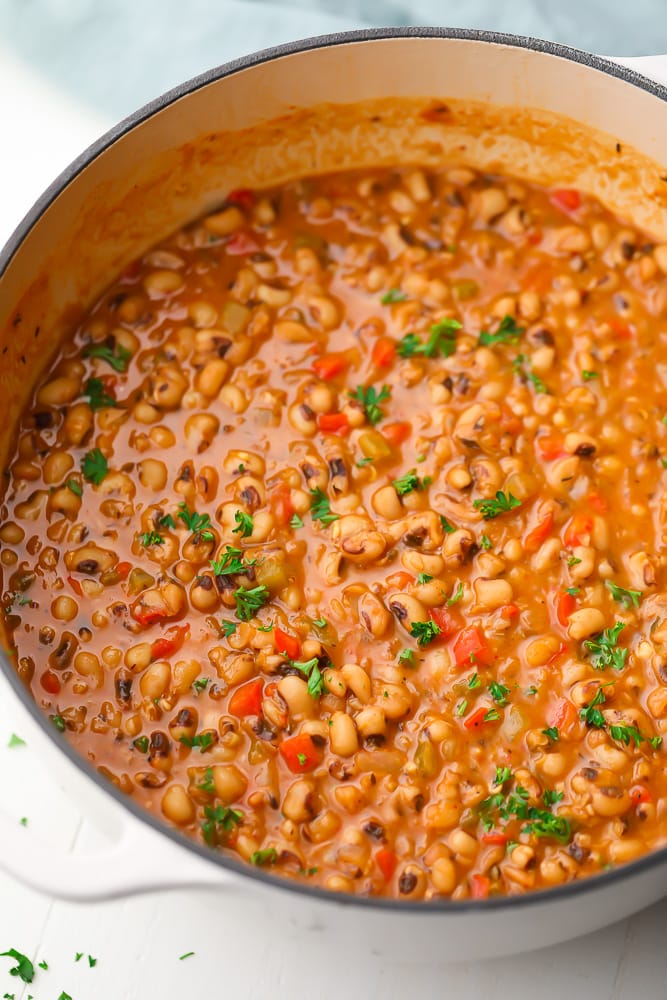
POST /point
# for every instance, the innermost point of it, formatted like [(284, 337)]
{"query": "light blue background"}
[(117, 54)]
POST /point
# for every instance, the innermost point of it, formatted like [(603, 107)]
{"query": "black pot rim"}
[(469, 906)]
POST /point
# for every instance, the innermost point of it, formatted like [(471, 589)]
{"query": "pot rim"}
[(66, 177)]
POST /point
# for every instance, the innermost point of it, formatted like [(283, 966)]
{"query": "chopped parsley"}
[(74, 486), (117, 356), (370, 399), (98, 397), (320, 622), (461, 708), (141, 743), (518, 365), (228, 627), (573, 561), (150, 538), (200, 684), (624, 734), (311, 670), (539, 822), (24, 968), (423, 578), (231, 562), (202, 741), (503, 775), (15, 741), (627, 598), (78, 956), (320, 508), (552, 733), (507, 332), (572, 591), (221, 819), (197, 523), (424, 632), (268, 856), (551, 797), (474, 682), (208, 784), (301, 757), (409, 482), (94, 466), (364, 461), (58, 722), (295, 522), (604, 650), (591, 714), (393, 295), (265, 628), (407, 656), (486, 542), (491, 716), (166, 521), (502, 503), (588, 375), (456, 596), (245, 524), (448, 528), (499, 694), (441, 341), (250, 601)]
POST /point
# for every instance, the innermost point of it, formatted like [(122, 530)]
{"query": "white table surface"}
[(240, 952)]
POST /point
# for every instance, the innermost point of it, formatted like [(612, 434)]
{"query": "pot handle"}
[(137, 861)]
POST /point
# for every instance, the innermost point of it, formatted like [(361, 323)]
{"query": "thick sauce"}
[(335, 534)]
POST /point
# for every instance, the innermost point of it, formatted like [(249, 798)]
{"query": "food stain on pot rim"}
[(312, 538)]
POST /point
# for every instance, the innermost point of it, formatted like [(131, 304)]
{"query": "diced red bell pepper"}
[(550, 446), (300, 753), (470, 646), (247, 700), (639, 794), (329, 365), (563, 648), (386, 860), (510, 611), (400, 580), (578, 531), (384, 352), (539, 533), (123, 570), (397, 433), (566, 199), (565, 605), (562, 715), (146, 615), (444, 621), (281, 504), (477, 719), (622, 330), (333, 423), (480, 886), (169, 643), (534, 237), (75, 585), (287, 644), (494, 837), (241, 196), (242, 242), (598, 502), (50, 682)]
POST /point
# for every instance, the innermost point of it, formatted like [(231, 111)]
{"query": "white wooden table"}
[(239, 951)]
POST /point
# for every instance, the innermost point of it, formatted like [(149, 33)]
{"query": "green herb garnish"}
[(499, 693), (409, 482), (311, 670), (393, 295), (202, 741), (24, 968), (268, 856), (219, 819), (94, 466), (245, 524), (370, 399), (295, 522), (604, 649), (117, 356), (441, 341), (250, 601), (320, 508), (424, 632), (506, 333), (150, 538), (98, 397), (502, 503), (74, 487), (627, 598), (199, 524), (552, 733)]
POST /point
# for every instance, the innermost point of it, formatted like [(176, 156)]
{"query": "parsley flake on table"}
[(370, 399), (501, 504), (441, 341), (188, 954), (94, 466), (16, 741), (116, 355), (24, 968)]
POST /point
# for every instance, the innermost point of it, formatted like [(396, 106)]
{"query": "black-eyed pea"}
[(88, 665), (204, 593), (561, 474), (294, 692), (225, 222), (626, 849), (152, 474), (184, 724), (522, 856), (12, 533), (200, 431), (600, 533), (490, 565), (138, 657), (422, 562), (177, 805), (371, 722), (146, 413), (111, 656), (456, 547), (90, 559), (233, 669), (553, 765), (407, 610), (155, 680), (351, 798), (78, 423), (324, 311), (237, 462), (539, 651), (118, 483), (59, 391), (207, 482), (412, 882), (585, 622), (339, 883), (300, 802), (302, 419), (489, 203), (230, 783), (319, 397), (464, 845), (166, 387), (609, 799), (432, 594), (581, 445), (358, 681), (547, 555), (493, 594), (32, 508), (273, 295), (161, 282), (64, 608), (250, 491), (343, 737), (641, 570), (444, 875), (657, 702), (56, 466), (555, 870), (334, 682), (373, 615), (325, 825), (262, 526), (611, 757), (185, 672), (418, 187)]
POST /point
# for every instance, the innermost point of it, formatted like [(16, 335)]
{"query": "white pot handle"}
[(138, 861)]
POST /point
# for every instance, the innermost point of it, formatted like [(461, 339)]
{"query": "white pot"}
[(262, 120)]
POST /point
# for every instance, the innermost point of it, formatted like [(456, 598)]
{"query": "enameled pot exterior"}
[(264, 119)]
